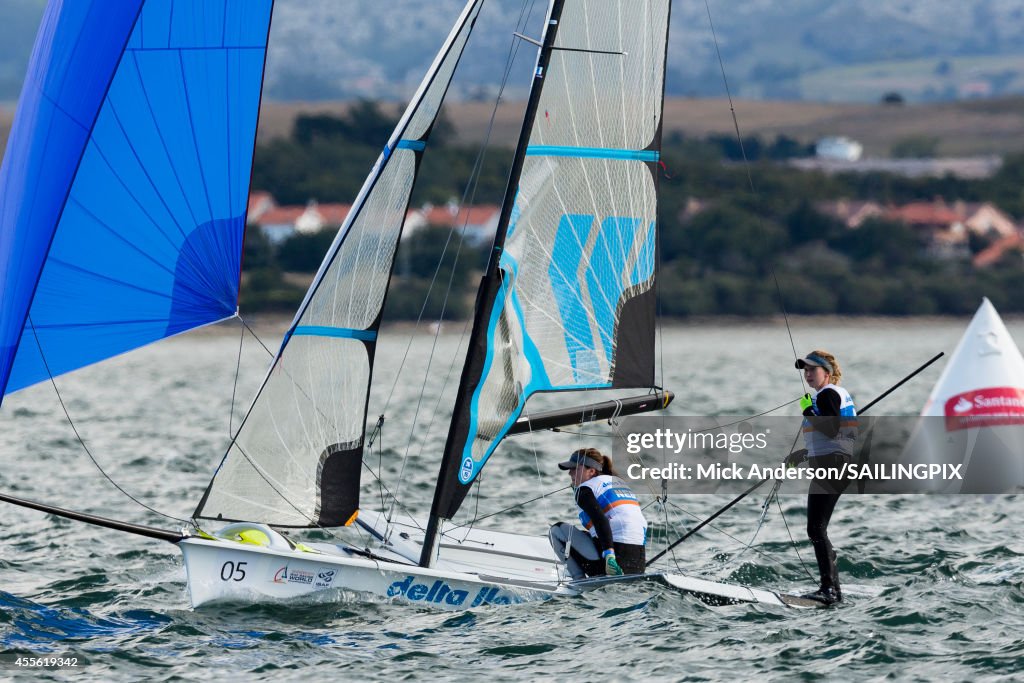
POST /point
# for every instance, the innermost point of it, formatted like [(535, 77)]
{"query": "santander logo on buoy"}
[(962, 406), (985, 408)]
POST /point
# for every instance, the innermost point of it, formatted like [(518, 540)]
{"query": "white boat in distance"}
[(131, 232)]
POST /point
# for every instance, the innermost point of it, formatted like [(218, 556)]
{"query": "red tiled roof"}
[(282, 215), (333, 213), (470, 215), (995, 251), (925, 213)]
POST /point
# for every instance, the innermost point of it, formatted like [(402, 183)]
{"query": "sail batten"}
[(296, 458)]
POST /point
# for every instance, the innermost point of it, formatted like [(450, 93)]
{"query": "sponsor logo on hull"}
[(438, 592), (288, 574), (985, 408), (324, 577)]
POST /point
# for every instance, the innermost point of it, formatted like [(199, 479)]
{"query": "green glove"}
[(805, 402), (796, 457), (611, 566)]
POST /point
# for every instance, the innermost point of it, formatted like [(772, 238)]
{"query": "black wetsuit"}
[(823, 495)]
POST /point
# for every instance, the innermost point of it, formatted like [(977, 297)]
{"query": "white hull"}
[(228, 571), (478, 568)]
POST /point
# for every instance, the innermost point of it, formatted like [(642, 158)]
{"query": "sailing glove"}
[(796, 457), (611, 566), (807, 405)]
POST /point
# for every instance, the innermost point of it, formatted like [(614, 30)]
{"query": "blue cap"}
[(577, 459), (814, 360)]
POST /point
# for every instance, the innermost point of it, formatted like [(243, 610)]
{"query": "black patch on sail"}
[(339, 483), (634, 348)]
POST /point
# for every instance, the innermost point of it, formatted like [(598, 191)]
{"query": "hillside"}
[(841, 50), (978, 127)]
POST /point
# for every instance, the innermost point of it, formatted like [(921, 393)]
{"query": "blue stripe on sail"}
[(604, 274), (592, 152), (469, 468), (341, 332), (156, 176), (644, 268), (414, 145), (573, 233)]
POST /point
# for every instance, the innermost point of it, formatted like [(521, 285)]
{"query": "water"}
[(935, 584)]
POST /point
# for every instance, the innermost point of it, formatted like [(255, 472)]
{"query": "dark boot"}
[(826, 594), (834, 574)]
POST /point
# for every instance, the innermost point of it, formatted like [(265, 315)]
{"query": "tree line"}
[(759, 227)]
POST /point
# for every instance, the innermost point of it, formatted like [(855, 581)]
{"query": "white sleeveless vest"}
[(621, 508), (818, 444)]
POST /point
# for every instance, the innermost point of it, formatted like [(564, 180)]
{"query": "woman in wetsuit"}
[(830, 431), (610, 513)]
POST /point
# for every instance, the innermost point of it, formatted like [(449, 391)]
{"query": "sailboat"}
[(144, 206)]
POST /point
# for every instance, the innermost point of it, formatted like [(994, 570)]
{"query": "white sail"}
[(297, 456), (571, 305)]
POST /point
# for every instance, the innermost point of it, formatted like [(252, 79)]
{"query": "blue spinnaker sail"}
[(123, 190)]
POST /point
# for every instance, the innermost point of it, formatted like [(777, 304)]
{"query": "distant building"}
[(281, 222), (947, 227), (851, 212), (259, 203), (998, 249), (839, 148), (961, 167), (480, 222), (986, 219)]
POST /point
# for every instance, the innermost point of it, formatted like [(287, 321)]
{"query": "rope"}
[(469, 194), (81, 441)]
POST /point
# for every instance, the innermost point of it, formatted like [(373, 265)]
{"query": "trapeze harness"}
[(626, 521), (819, 443)]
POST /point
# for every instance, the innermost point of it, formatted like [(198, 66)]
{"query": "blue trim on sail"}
[(567, 253), (643, 270), (592, 153), (605, 268), (414, 145), (339, 332), (126, 178), (539, 380)]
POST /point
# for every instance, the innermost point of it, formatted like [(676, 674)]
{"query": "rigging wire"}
[(256, 336), (510, 507), (81, 441), (803, 565), (753, 191), (234, 385), (469, 194), (767, 555)]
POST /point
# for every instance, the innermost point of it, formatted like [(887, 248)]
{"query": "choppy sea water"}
[(934, 584)]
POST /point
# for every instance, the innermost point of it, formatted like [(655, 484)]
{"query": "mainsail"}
[(125, 180), (569, 302), (297, 456)]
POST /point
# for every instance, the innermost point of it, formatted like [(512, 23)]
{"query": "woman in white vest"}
[(830, 432), (609, 512)]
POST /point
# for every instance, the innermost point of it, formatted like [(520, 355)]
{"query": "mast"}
[(491, 282)]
